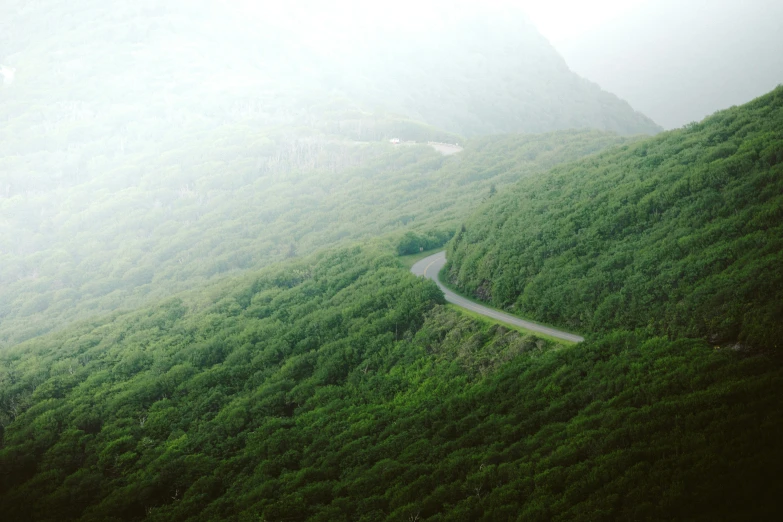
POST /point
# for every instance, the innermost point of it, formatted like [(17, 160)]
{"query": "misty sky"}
[(679, 61), (561, 20), (557, 20), (674, 60)]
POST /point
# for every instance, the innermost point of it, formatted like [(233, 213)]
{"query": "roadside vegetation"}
[(677, 235), (119, 243), (206, 305)]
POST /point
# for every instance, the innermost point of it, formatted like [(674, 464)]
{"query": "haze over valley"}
[(222, 227)]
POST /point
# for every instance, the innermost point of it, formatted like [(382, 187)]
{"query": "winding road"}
[(429, 267)]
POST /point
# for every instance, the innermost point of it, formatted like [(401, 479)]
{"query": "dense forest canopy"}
[(68, 253), (681, 234), (338, 387), (148, 146), (204, 314)]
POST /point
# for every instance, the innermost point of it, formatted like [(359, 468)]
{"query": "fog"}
[(679, 61), (675, 61), (215, 216)]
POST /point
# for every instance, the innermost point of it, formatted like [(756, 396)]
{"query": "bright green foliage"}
[(680, 234), (413, 242), (337, 388), (109, 243)]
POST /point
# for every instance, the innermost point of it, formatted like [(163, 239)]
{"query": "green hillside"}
[(678, 235), (171, 221), (204, 315), (146, 147), (337, 388)]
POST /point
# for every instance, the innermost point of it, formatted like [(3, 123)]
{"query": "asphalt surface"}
[(429, 267)]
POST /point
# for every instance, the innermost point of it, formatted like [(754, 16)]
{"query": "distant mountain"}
[(135, 71), (483, 73), (149, 144), (677, 235), (681, 61)]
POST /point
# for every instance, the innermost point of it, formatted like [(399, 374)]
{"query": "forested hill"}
[(205, 209), (680, 234), (338, 388), (203, 315), (146, 145)]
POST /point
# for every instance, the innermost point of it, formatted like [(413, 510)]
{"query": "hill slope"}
[(148, 146), (94, 78), (128, 237), (337, 388), (681, 234)]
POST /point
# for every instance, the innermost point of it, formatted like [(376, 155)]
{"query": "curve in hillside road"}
[(429, 267)]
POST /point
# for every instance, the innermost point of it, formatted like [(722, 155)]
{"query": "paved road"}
[(429, 268)]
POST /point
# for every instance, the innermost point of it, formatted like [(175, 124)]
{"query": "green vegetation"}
[(413, 242), (67, 254), (442, 278), (338, 388), (162, 145), (206, 309), (680, 235)]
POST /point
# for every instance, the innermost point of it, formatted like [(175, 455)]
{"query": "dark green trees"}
[(69, 254), (681, 234), (339, 388)]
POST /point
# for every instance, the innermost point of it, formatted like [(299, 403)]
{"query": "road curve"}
[(429, 267)]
